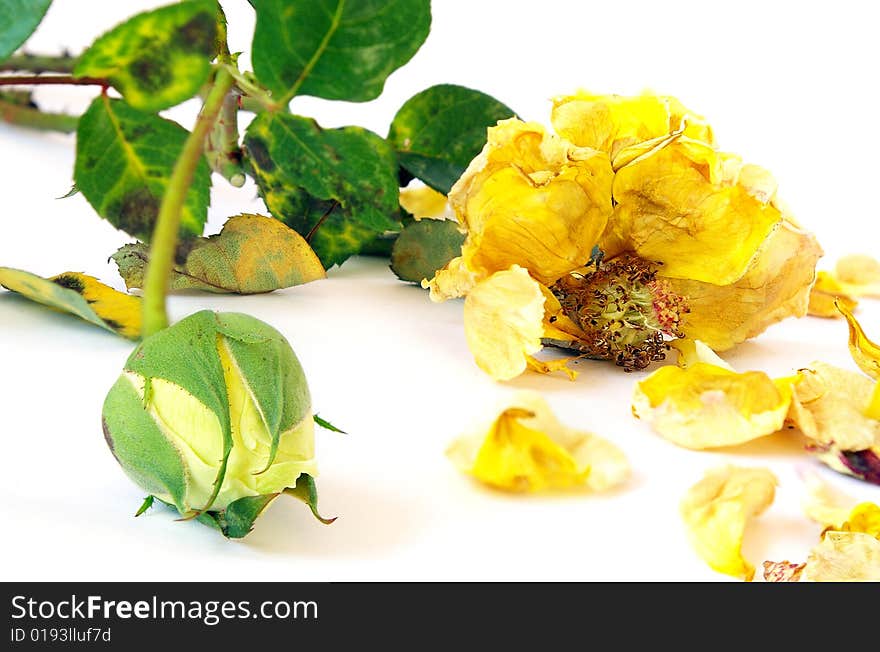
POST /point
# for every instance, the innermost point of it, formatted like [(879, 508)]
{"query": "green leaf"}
[(157, 58), (18, 20), (124, 160), (141, 448), (425, 246), (327, 425), (147, 504), (336, 187), (306, 491), (237, 520), (439, 131), (335, 49), (80, 295), (252, 254)]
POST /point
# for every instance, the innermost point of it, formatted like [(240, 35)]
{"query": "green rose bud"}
[(213, 417)]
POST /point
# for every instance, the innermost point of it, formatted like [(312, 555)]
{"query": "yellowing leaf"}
[(706, 406), (864, 352), (826, 293), (527, 449), (80, 295), (717, 509), (252, 254)]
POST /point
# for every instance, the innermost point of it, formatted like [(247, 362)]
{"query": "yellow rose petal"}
[(775, 286), (829, 408), (844, 557), (692, 351), (552, 366), (423, 202), (679, 206), (864, 352), (504, 322), (717, 510), (613, 122), (826, 292), (534, 200), (825, 505), (453, 281), (864, 517), (527, 449), (705, 406), (859, 274)]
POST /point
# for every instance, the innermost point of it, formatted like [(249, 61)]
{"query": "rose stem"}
[(164, 241)]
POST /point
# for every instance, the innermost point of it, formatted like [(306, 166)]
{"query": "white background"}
[(790, 86)]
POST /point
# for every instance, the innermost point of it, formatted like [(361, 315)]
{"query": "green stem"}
[(164, 242), (37, 63), (28, 116), (50, 80), (222, 149), (251, 90)]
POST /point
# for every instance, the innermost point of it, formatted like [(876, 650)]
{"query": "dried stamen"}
[(624, 310)]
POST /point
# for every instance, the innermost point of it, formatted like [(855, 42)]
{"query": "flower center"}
[(624, 310)]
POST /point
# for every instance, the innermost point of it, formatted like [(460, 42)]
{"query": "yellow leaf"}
[(717, 509), (80, 295), (252, 254)]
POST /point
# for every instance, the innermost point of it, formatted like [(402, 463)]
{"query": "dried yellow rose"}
[(527, 449), (717, 509), (636, 228), (707, 406)]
